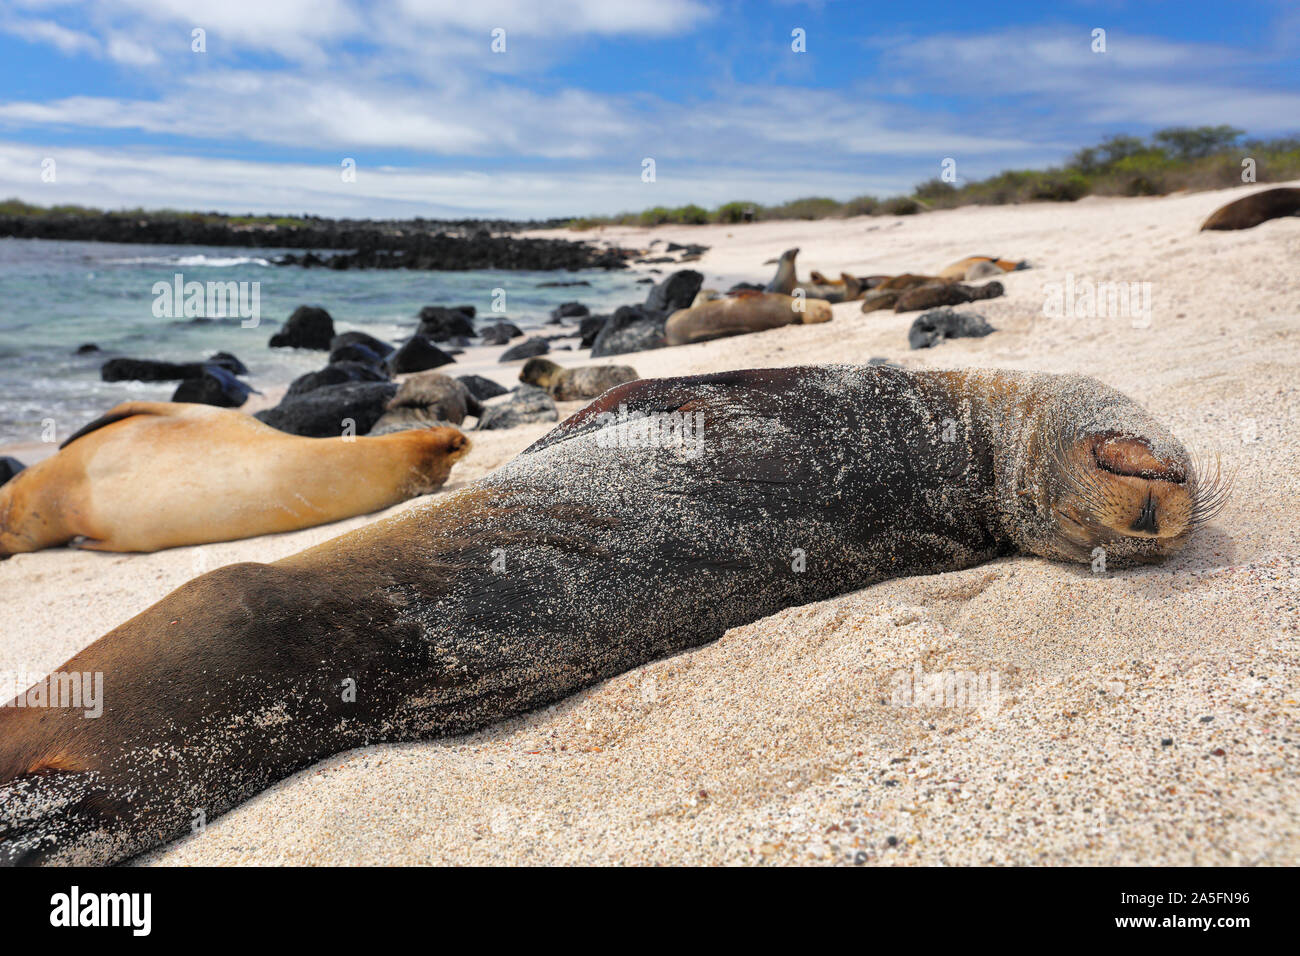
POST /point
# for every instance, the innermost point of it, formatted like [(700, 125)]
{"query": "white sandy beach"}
[(1146, 717)]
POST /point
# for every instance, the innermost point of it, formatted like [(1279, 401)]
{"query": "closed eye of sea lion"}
[(650, 522), (1250, 211), (154, 475), (572, 384)]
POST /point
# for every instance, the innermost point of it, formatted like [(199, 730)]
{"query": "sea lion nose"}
[(1146, 520)]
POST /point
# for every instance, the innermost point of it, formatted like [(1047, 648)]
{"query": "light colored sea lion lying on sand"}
[(1250, 211), (742, 313), (154, 475), (976, 267), (572, 384)]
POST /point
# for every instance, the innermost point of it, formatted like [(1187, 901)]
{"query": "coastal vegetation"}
[(1173, 159)]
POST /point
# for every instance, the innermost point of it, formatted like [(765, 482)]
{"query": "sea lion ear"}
[(454, 443)]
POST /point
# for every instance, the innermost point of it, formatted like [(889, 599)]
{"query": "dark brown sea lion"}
[(154, 475), (650, 522), (939, 294), (879, 299), (907, 280), (740, 314), (1258, 207), (572, 384)]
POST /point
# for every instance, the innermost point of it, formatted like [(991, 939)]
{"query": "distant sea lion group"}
[(603, 546)]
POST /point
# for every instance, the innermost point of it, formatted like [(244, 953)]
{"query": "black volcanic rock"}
[(148, 370), (228, 362), (632, 328), (417, 354), (325, 412), (482, 388), (10, 467), (676, 292), (378, 346), (529, 348), (337, 373), (501, 333), (528, 404), (356, 352), (590, 327), (216, 386), (441, 324), (310, 327), (569, 310), (85, 349)]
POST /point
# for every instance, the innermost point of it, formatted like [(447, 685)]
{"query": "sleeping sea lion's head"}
[(540, 372), (1106, 475)]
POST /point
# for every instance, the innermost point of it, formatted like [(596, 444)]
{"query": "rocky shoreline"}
[(365, 244)]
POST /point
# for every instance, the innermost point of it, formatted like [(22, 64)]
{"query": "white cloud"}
[(47, 31), (121, 178)]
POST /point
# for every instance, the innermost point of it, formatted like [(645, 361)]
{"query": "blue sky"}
[(561, 121)]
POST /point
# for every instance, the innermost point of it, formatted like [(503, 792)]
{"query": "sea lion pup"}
[(961, 269), (650, 522), (427, 398), (1258, 207), (154, 475), (572, 384), (740, 314)]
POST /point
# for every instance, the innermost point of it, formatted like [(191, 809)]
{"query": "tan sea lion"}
[(572, 384), (649, 523), (740, 314), (959, 269), (844, 289), (939, 294), (153, 475), (1251, 210)]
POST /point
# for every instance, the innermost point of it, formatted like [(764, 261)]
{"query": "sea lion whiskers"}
[(1112, 490)]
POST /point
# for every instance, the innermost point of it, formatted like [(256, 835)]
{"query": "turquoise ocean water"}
[(55, 296)]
